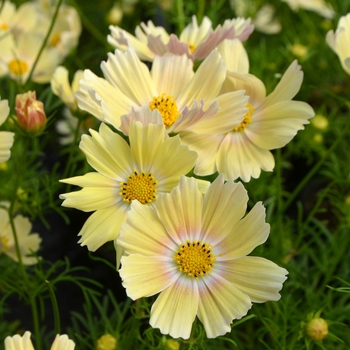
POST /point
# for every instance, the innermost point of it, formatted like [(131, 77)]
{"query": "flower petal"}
[(257, 277), (219, 303), (180, 211), (175, 309), (245, 236), (144, 276), (223, 206), (234, 55)]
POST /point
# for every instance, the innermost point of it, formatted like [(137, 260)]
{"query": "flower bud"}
[(317, 329), (106, 342), (30, 112)]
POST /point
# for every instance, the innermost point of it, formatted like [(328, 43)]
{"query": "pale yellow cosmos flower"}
[(339, 41), (149, 166), (28, 243), (17, 342), (321, 7), (192, 250), (270, 122), (194, 41), (6, 137)]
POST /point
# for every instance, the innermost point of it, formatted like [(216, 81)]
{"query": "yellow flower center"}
[(167, 107), (195, 258), (18, 67), (139, 186), (191, 47), (4, 26), (247, 118), (55, 39), (5, 242)]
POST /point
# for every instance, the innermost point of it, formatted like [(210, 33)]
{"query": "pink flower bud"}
[(30, 112)]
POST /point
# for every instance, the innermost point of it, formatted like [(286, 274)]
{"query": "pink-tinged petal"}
[(239, 157), (213, 39), (191, 116), (245, 236), (101, 192), (206, 83), (243, 28), (144, 276), (143, 115), (276, 125), (175, 309), (257, 277), (145, 143), (288, 86), (103, 226), (171, 73), (223, 206), (108, 153), (206, 147), (230, 114), (173, 159), (194, 34), (220, 302), (174, 45), (128, 74), (143, 233), (180, 211), (234, 55), (254, 87)]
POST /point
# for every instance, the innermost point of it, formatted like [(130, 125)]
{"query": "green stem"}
[(180, 15), (313, 171), (45, 41), (201, 10), (56, 312), (279, 191), (38, 345)]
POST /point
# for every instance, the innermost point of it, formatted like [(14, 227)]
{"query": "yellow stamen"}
[(5, 242), (167, 107), (139, 186), (4, 26), (191, 47), (195, 258), (55, 39), (247, 118), (18, 67)]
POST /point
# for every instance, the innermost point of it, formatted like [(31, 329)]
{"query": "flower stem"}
[(56, 312), (180, 15)]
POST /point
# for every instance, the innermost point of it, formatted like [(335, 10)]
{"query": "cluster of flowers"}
[(23, 31)]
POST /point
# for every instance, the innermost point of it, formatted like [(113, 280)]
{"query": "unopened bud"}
[(172, 344), (106, 342), (320, 122), (30, 112), (317, 329)]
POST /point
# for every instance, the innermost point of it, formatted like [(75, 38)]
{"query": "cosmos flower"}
[(339, 41), (183, 98), (28, 243), (194, 41), (321, 7), (269, 123), (193, 251), (149, 166), (17, 342), (6, 137)]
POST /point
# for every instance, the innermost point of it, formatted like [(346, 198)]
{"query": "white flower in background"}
[(28, 243), (270, 122), (193, 250), (6, 137), (17, 59), (18, 20), (185, 99), (339, 41), (60, 86), (321, 7), (194, 41), (17, 342)]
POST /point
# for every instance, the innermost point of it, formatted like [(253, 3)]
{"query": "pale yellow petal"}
[(259, 278), (18, 342), (223, 206), (245, 236), (143, 233), (175, 309), (6, 142), (239, 157), (4, 111), (62, 342), (180, 211), (107, 152), (234, 55), (144, 276), (220, 302), (103, 226)]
